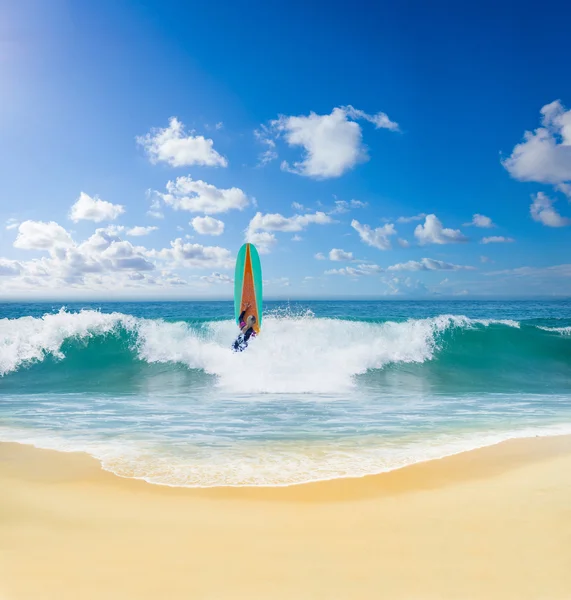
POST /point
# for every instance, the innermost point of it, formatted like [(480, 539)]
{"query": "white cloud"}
[(39, 235), (332, 143), (261, 224), (173, 146), (102, 256), (138, 230), (9, 268), (379, 120), (542, 211), (277, 222), (263, 240), (320, 256), (195, 255), (564, 188), (297, 206), (403, 243), (544, 155), (12, 223), (365, 269), (336, 254), (399, 286), (217, 278), (432, 232), (378, 238), (296, 238), (480, 221), (486, 259), (428, 264), (207, 225), (199, 196), (93, 209), (124, 256), (497, 239), (418, 217)]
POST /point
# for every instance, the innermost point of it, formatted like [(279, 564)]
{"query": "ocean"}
[(329, 389)]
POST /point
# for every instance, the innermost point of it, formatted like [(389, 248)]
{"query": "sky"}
[(381, 150)]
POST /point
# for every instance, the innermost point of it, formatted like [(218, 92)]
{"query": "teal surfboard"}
[(248, 284)]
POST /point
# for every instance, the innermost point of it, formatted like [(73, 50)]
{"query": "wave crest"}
[(294, 354)]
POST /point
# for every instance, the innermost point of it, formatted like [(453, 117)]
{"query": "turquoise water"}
[(329, 389)]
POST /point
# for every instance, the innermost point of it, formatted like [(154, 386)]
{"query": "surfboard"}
[(248, 284)]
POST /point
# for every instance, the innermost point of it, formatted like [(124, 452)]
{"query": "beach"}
[(489, 523)]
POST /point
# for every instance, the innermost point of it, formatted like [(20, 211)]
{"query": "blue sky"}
[(315, 132)]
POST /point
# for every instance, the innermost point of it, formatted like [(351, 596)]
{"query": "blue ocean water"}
[(329, 389)]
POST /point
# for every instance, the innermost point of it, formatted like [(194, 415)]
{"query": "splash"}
[(296, 353)]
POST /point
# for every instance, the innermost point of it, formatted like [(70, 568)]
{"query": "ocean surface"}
[(329, 389)]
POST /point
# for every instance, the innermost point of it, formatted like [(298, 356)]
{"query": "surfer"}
[(246, 330)]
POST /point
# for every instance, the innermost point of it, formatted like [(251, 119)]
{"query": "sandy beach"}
[(491, 523)]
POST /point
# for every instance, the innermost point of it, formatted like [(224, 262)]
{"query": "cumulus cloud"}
[(497, 239), (277, 222), (261, 224), (139, 230), (428, 264), (199, 196), (378, 238), (432, 232), (9, 268), (365, 269), (336, 254), (207, 225), (319, 256), (104, 260), (40, 235), (195, 255), (101, 255), (173, 146), (542, 211), (544, 155), (403, 243), (93, 209), (480, 221), (332, 143), (263, 240)]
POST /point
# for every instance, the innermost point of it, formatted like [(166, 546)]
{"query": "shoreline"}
[(487, 523), (329, 481)]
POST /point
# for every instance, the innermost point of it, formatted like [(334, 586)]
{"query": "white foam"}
[(299, 354), (275, 465), (560, 330), (29, 339), (294, 354)]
